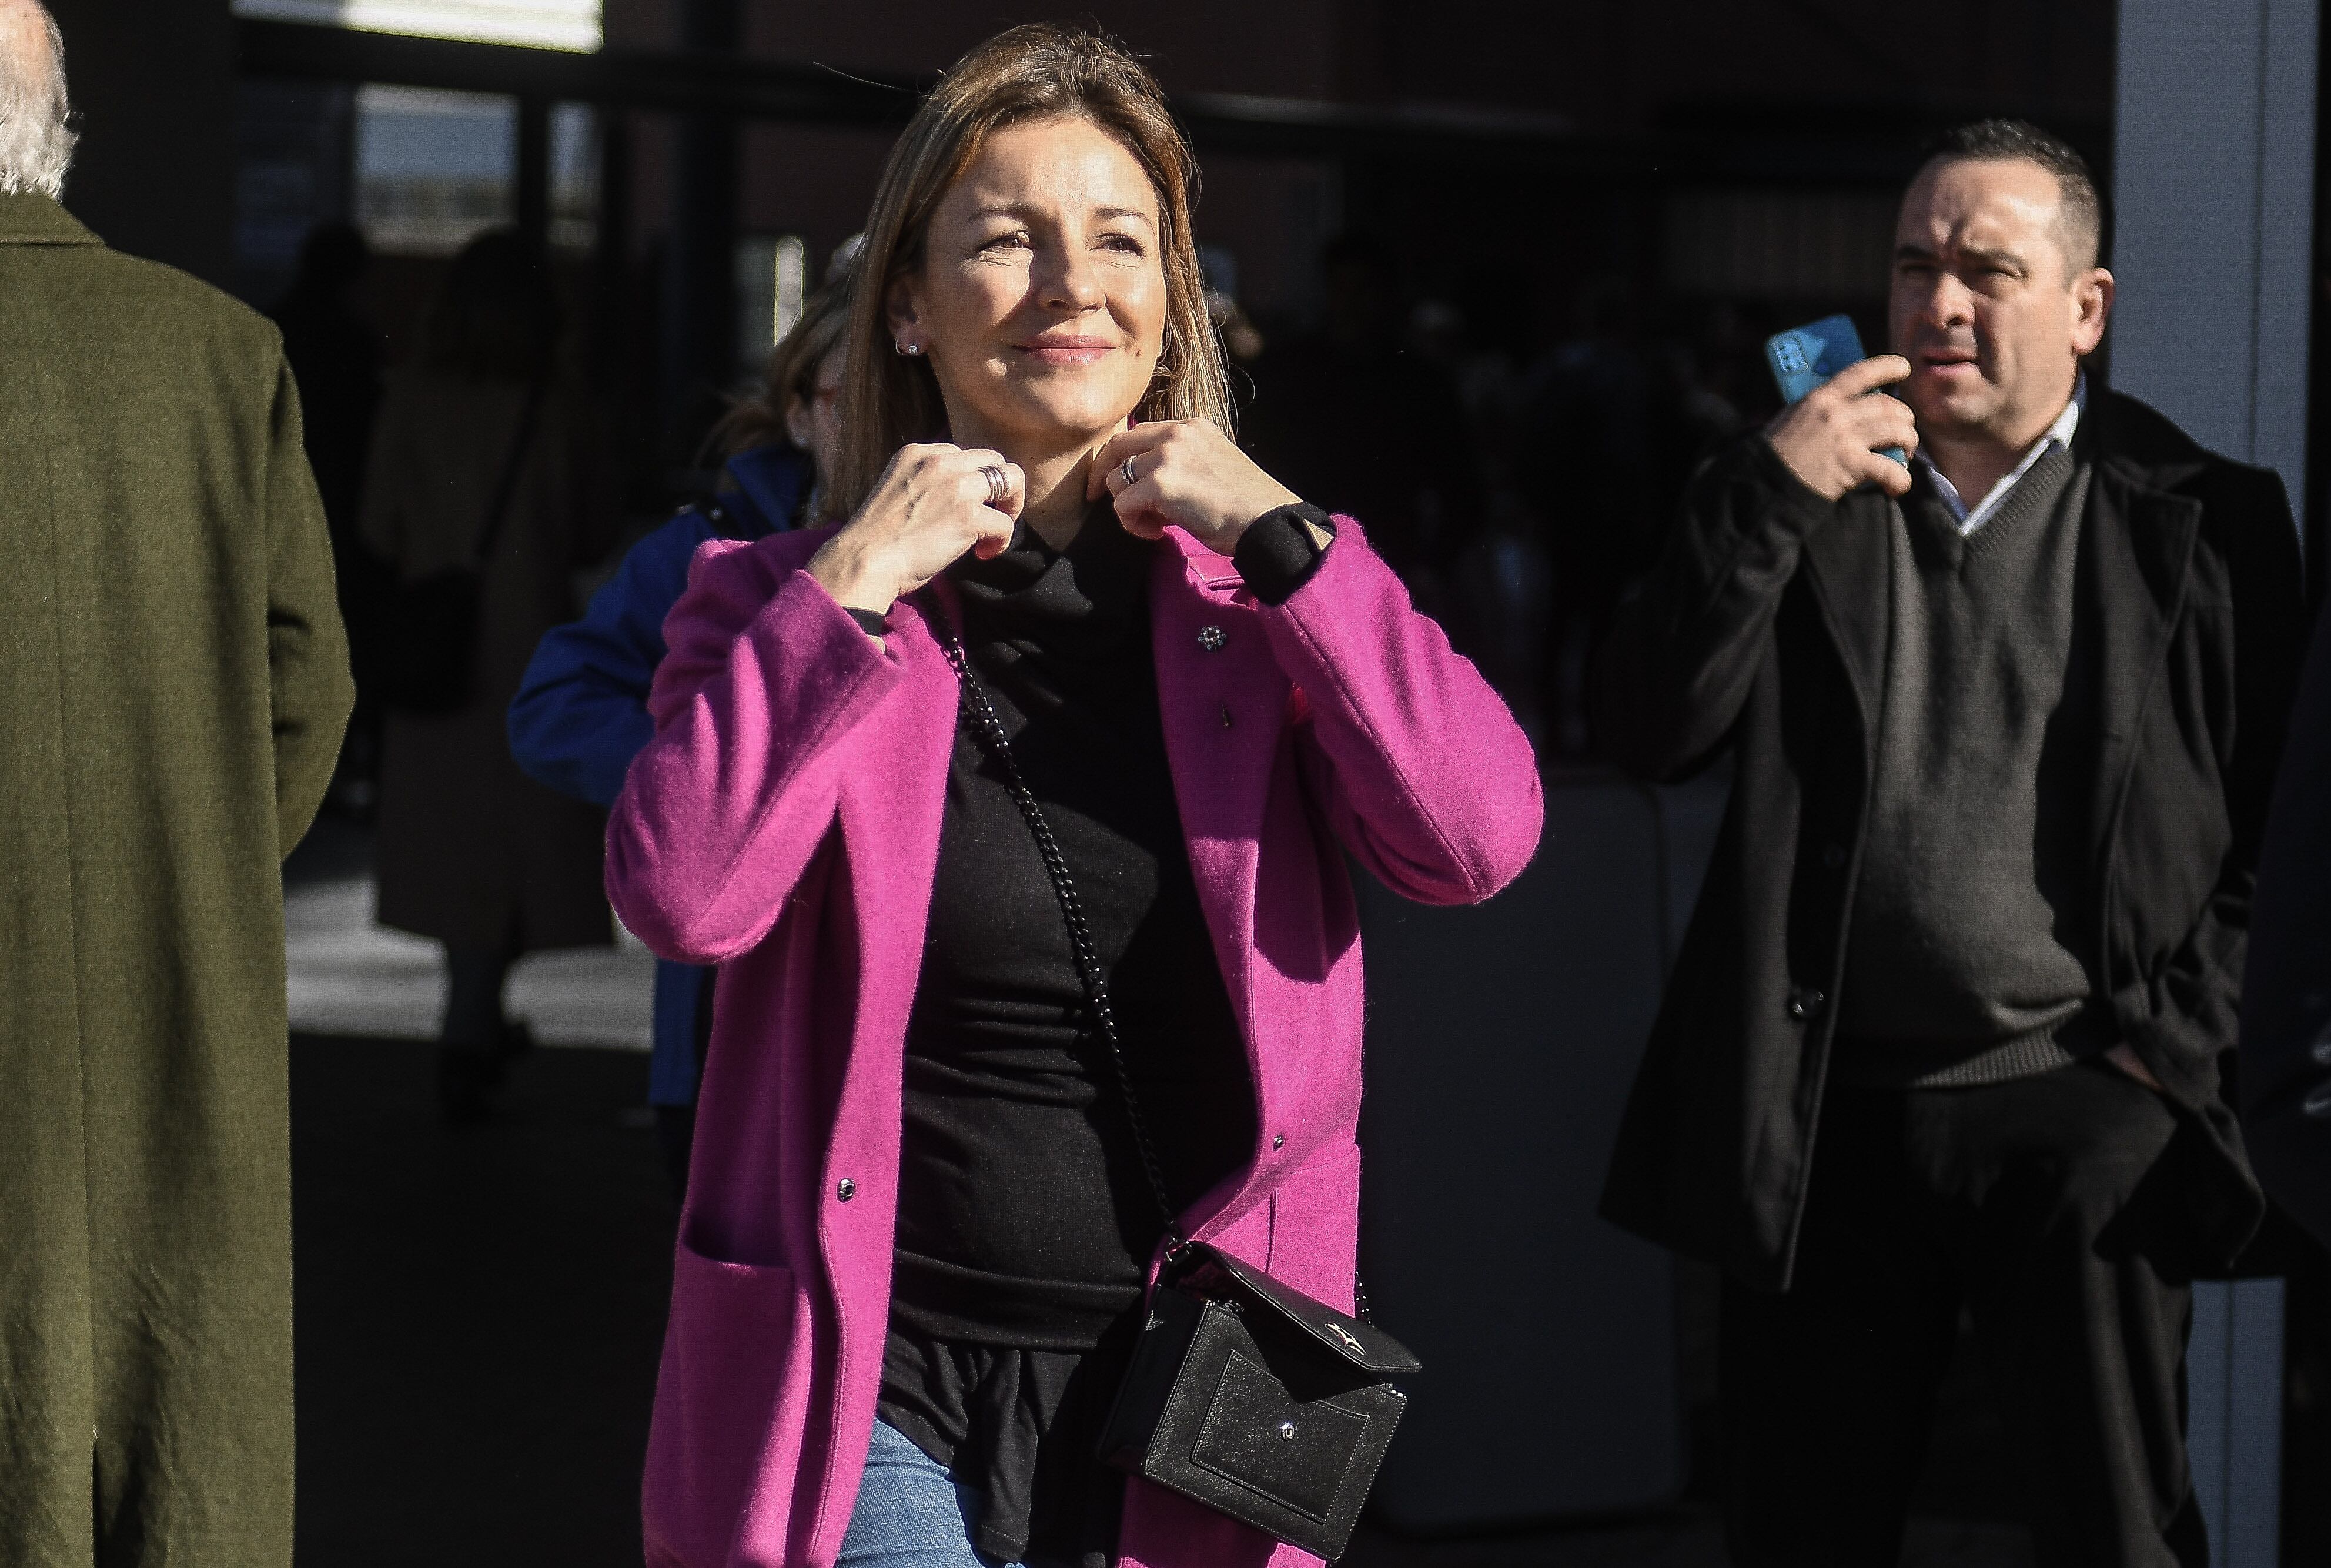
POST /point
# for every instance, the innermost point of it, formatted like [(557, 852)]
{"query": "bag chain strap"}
[(987, 729)]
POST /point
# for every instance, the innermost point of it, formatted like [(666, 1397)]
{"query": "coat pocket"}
[(1315, 1227), (722, 1425)]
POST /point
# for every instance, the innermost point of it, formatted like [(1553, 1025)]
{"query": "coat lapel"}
[(2136, 552), (1849, 562), (889, 815), (891, 823), (1222, 698)]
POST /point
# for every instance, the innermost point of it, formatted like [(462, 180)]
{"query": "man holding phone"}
[(1945, 1032)]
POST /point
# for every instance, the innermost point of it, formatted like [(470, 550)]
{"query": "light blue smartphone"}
[(1804, 357)]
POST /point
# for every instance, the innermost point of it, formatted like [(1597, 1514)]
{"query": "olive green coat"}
[(173, 684)]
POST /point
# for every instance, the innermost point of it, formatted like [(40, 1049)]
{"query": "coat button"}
[(1833, 856), (1210, 639), (1804, 1004), (846, 1190), (1280, 1142)]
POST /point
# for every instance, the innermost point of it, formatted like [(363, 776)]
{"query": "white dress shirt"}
[(2060, 432)]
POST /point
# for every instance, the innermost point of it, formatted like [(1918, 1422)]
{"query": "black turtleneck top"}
[(1025, 1222)]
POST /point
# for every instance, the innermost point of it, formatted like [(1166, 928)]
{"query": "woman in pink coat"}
[(919, 1229)]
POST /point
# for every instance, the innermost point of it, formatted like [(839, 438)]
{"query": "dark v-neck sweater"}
[(1025, 1221), (1969, 959)]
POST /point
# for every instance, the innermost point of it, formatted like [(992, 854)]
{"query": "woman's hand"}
[(930, 505), (1188, 474)]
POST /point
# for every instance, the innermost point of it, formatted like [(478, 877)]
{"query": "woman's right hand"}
[(930, 505)]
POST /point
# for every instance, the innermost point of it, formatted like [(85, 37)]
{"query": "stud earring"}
[(909, 349)]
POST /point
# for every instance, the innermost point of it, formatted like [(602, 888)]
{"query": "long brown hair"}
[(1039, 71)]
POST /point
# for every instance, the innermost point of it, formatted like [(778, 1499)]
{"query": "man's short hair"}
[(2082, 222), (36, 136)]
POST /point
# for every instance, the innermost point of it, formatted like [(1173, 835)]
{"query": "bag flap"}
[(1215, 1272)]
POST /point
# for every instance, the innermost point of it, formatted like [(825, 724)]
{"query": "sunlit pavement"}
[(350, 976)]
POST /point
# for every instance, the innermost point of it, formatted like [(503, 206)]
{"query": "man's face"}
[(1985, 305)]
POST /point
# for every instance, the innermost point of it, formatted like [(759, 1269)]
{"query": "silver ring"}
[(1132, 479), (998, 487)]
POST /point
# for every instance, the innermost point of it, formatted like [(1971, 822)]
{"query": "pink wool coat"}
[(785, 823)]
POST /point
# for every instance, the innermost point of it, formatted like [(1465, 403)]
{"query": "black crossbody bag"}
[(1242, 1394)]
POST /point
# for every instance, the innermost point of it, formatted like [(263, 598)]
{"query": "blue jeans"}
[(911, 1512)]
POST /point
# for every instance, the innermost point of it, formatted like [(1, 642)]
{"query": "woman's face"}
[(814, 423), (1040, 303)]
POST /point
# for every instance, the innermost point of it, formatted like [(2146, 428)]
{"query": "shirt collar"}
[(2059, 433)]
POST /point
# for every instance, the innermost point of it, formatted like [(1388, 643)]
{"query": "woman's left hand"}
[(1187, 473)]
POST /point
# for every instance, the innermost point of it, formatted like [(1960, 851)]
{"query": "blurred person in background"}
[(581, 713), (1348, 413), (2286, 1077), (1499, 590), (335, 353), (472, 852), (1947, 1028), (911, 1119), (172, 682), (1585, 432)]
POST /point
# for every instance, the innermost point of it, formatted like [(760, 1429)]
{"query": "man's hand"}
[(1830, 438), (2123, 1057)]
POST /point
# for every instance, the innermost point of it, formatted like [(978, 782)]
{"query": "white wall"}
[(2214, 189)]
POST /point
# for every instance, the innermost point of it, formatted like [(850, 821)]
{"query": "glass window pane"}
[(432, 168), (573, 176)]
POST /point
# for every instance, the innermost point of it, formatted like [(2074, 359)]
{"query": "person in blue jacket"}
[(581, 711)]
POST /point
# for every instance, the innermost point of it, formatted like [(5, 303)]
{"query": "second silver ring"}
[(998, 486), (1132, 479)]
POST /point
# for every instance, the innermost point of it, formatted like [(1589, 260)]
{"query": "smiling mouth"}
[(1065, 352)]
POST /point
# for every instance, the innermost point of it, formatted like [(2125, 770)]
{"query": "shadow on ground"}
[(479, 1313)]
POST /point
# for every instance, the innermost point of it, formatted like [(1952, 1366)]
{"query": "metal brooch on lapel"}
[(1210, 639)]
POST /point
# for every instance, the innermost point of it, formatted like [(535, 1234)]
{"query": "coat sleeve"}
[(1425, 777), (756, 708), (2285, 1043), (2189, 1013), (1685, 645), (581, 712), (310, 691)]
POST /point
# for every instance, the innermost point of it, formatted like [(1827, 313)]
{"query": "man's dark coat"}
[(2287, 1005), (1763, 630)]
